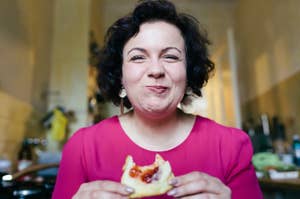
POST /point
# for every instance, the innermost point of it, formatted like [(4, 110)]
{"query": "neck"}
[(156, 123), (157, 134)]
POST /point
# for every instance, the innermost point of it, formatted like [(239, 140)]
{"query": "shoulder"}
[(229, 138), (84, 142), (212, 126), (86, 134), (99, 127), (233, 143)]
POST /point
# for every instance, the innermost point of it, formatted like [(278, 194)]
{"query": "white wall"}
[(269, 46), (24, 47), (69, 60)]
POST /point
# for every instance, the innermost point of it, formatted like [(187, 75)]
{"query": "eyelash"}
[(173, 57), (168, 57), (136, 57)]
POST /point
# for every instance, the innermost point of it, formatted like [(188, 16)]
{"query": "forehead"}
[(157, 33)]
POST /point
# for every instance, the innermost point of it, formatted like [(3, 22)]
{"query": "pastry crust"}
[(149, 180)]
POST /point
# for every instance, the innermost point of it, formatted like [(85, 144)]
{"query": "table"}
[(291, 184), (280, 189)]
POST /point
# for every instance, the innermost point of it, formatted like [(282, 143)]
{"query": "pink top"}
[(98, 153)]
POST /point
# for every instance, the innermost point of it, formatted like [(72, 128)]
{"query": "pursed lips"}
[(158, 89)]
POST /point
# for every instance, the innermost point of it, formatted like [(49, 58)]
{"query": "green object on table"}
[(266, 160)]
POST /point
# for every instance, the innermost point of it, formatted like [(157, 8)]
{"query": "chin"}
[(157, 107), (159, 110)]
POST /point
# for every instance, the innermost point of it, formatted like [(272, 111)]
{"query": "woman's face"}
[(154, 69)]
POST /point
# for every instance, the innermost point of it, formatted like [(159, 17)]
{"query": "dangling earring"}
[(188, 91), (187, 97), (122, 95)]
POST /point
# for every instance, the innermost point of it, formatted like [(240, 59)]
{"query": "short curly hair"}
[(199, 66)]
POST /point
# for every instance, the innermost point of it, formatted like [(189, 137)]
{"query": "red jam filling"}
[(145, 176)]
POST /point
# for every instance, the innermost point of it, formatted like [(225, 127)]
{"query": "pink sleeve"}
[(241, 177), (71, 170)]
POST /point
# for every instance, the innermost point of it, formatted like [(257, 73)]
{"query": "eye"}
[(171, 58), (137, 58)]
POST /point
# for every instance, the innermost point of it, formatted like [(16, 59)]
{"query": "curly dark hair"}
[(199, 66)]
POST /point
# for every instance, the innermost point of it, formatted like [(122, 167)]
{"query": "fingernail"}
[(172, 192), (173, 181), (129, 189)]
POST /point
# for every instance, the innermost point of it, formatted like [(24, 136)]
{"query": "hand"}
[(103, 189), (197, 185)]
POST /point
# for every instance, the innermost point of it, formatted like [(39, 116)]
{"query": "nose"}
[(156, 70)]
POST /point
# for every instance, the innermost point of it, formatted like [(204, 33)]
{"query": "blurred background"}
[(48, 54)]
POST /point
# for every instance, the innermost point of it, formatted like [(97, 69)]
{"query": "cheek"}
[(179, 75), (131, 74)]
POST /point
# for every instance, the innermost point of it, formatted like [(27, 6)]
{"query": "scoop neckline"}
[(181, 144)]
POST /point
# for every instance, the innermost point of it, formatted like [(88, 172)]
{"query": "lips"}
[(157, 89)]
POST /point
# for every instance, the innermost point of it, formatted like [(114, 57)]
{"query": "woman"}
[(152, 60)]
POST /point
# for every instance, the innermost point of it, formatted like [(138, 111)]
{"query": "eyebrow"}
[(139, 49), (171, 48), (144, 51)]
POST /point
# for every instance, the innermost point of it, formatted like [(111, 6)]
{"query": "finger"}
[(196, 182), (108, 186), (190, 177), (189, 191), (96, 194), (200, 196), (116, 187), (106, 195)]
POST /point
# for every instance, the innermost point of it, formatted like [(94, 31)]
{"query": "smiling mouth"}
[(157, 89)]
